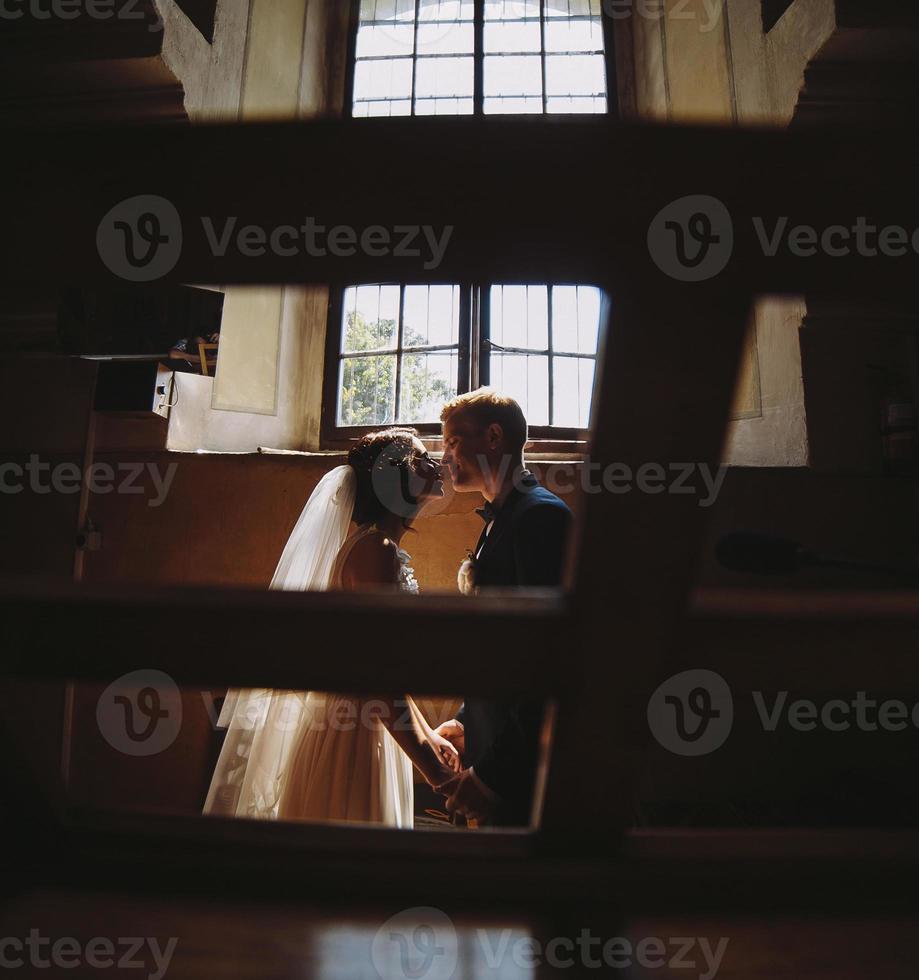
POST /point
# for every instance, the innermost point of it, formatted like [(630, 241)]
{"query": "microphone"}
[(767, 554)]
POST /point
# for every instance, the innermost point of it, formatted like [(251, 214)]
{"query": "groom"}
[(522, 544)]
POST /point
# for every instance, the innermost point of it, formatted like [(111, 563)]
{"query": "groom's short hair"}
[(485, 406)]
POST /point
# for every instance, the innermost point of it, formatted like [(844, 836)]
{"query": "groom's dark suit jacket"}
[(525, 547)]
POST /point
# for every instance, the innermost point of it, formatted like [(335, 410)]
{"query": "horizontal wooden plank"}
[(432, 644), (652, 870), (808, 642), (322, 641), (808, 605), (565, 198)]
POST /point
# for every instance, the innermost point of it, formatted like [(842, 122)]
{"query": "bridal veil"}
[(262, 723)]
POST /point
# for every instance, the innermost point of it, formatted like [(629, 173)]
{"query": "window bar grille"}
[(464, 366), (542, 58), (485, 336), (478, 59), (551, 361), (414, 86), (351, 67), (398, 381)]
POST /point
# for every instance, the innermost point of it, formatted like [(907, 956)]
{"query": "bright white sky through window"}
[(539, 56)]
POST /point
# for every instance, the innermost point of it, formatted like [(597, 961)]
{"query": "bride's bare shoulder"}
[(373, 560)]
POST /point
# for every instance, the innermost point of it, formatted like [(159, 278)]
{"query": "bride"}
[(296, 755)]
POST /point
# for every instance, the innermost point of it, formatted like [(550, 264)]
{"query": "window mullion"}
[(415, 58), (484, 304), (465, 340), (542, 58), (478, 107), (398, 406), (551, 362)]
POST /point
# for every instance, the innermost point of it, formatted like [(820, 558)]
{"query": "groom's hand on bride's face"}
[(454, 733)]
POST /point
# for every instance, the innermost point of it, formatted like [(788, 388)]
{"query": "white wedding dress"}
[(313, 755)]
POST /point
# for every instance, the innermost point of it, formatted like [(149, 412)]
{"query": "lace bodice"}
[(407, 582)]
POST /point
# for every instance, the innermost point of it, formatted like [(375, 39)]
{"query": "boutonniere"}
[(465, 577)]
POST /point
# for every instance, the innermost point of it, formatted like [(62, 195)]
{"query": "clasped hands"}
[(464, 791)]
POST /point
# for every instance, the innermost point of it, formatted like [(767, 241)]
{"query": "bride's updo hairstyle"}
[(383, 462)]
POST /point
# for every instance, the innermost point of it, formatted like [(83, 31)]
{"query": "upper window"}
[(466, 57), (397, 352)]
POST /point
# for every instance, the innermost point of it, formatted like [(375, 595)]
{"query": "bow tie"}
[(488, 512)]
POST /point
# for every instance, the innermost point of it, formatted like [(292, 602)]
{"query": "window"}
[(465, 57), (397, 352)]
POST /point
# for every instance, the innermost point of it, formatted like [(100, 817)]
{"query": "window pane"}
[(451, 38), (428, 380), (513, 75), (369, 318), (524, 377), (519, 316), (574, 35), (575, 319), (444, 107), (388, 10), (512, 9), (576, 105), (385, 40), (389, 78), (513, 37), (430, 315), (572, 8), (526, 106), (444, 77), (575, 74), (572, 387), (367, 394)]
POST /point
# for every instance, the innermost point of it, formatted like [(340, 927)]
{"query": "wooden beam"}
[(656, 870), (558, 198), (815, 642), (320, 641), (663, 397)]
